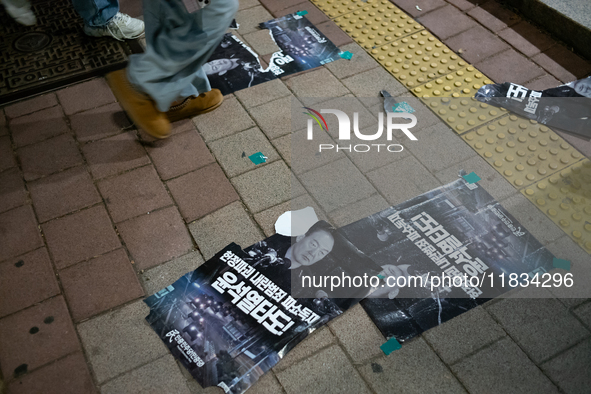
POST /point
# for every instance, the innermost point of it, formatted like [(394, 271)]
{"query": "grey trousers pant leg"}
[(178, 44)]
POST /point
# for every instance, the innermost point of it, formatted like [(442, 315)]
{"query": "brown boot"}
[(139, 106), (193, 106)]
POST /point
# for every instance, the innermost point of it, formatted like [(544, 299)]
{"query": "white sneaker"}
[(120, 27), (22, 15)]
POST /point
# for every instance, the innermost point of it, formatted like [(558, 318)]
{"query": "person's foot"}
[(139, 106), (193, 106), (22, 15), (120, 27)]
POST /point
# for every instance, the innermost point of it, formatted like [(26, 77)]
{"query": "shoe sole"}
[(177, 118)]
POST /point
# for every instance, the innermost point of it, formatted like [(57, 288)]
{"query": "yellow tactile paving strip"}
[(545, 168), (566, 199)]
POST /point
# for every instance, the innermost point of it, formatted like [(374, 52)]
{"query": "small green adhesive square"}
[(381, 276), (302, 13), (390, 346), (560, 263), (258, 158), (346, 55), (403, 107), (471, 177)]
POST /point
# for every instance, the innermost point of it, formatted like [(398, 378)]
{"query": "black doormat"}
[(53, 53)]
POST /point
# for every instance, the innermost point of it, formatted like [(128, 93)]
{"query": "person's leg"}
[(96, 12), (103, 19)]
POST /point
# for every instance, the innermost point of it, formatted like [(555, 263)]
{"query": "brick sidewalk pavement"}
[(91, 222)]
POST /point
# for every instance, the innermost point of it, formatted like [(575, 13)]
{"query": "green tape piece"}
[(346, 55), (403, 107), (302, 13), (390, 346), (381, 276), (560, 263), (258, 158), (471, 177)]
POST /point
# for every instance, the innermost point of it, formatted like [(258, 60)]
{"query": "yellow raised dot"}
[(564, 222), (488, 155), (542, 186), (552, 196), (519, 167), (577, 234), (500, 136), (530, 177), (587, 228), (564, 206), (499, 149), (518, 182), (509, 158), (470, 137), (577, 217), (478, 145), (511, 144), (552, 212), (588, 245), (529, 192), (498, 163), (542, 171), (541, 201)]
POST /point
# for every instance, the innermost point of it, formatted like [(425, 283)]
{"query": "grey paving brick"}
[(438, 147), (491, 180), (283, 146), (463, 335), (218, 124), (337, 184), (502, 368), (425, 117), (326, 372), (570, 370), (316, 341), (157, 278), (315, 86), (262, 93), (360, 62), (229, 224), (357, 334), (541, 326), (232, 152), (267, 186), (584, 313), (159, 376), (414, 368), (261, 42), (378, 155), (358, 210), (532, 218), (307, 154), (250, 18), (267, 384), (403, 179), (244, 4), (349, 105), (369, 84), (274, 118), (120, 341), (31, 105)]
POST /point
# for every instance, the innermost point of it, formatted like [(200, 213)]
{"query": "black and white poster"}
[(443, 253)]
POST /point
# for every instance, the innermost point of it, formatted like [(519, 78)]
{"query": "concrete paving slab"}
[(369, 84), (310, 92), (570, 370), (99, 122), (306, 154), (250, 18), (283, 146), (31, 105), (163, 275), (7, 159), (262, 93), (38, 126), (261, 42), (49, 156), (85, 95), (359, 63), (12, 190), (18, 232), (218, 124), (358, 210), (315, 342), (274, 118)]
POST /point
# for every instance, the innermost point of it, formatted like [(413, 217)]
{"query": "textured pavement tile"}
[(570, 370), (85, 95), (3, 128), (27, 339), (410, 6), (157, 278), (30, 105), (334, 33), (491, 180), (359, 63), (120, 341), (97, 285), (18, 232), (261, 42), (308, 88), (502, 368), (517, 41), (179, 154), (314, 15), (274, 118), (328, 371), (69, 375), (446, 22), (229, 224), (283, 146), (156, 237), (349, 105), (80, 236), (319, 339), (533, 35), (247, 4), (509, 66), (402, 180), (438, 147), (464, 334), (425, 117), (584, 313), (477, 44), (114, 155), (262, 93), (267, 186), (267, 218), (6, 155), (463, 5), (12, 190), (201, 192), (62, 193), (494, 16), (218, 124), (412, 369), (542, 326), (38, 126), (267, 384), (99, 122), (26, 280), (306, 155), (562, 63), (532, 218), (580, 143), (357, 334), (545, 82), (232, 152), (250, 18), (337, 184), (134, 193), (159, 376), (369, 84), (52, 155), (358, 210), (274, 5)]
